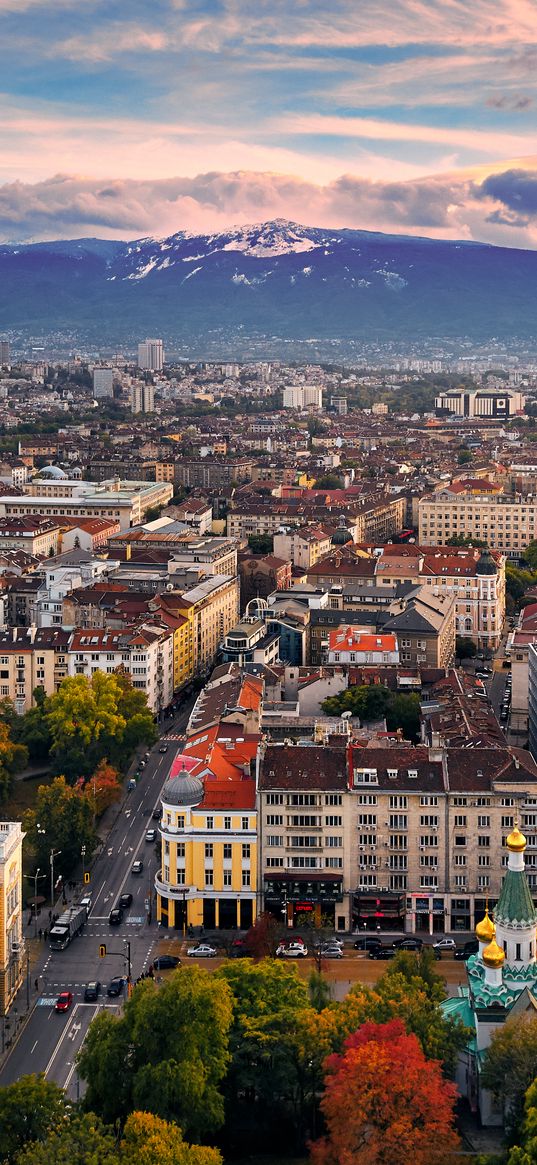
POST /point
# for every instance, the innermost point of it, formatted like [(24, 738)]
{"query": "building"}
[(124, 501), (5, 352), (262, 574), (39, 536), (211, 473), (501, 977), (12, 948), (142, 397), (303, 547), (251, 642), (212, 609), (350, 645), (150, 359), (487, 403), (103, 382), (304, 834), (505, 523), (30, 658), (144, 651), (208, 829), (424, 626)]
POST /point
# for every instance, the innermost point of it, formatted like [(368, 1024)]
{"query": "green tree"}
[(167, 1054), (465, 648), (82, 1140), (465, 540), (329, 481), (261, 543), (29, 1110), (510, 1066), (65, 819), (465, 456), (90, 720), (526, 1152), (13, 758), (404, 713), (32, 729)]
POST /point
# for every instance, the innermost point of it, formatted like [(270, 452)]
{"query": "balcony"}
[(170, 890)]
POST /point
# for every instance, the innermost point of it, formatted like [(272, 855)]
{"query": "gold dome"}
[(493, 956), (516, 841), (485, 929)]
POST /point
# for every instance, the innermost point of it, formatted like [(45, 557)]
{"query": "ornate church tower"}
[(515, 916)]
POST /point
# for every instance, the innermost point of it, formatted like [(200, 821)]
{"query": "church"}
[(502, 978)]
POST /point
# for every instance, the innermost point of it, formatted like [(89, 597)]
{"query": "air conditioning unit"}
[(362, 847), (422, 848), (15, 948)]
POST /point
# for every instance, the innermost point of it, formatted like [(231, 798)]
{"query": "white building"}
[(151, 356), (146, 652), (142, 397), (302, 396), (103, 382)]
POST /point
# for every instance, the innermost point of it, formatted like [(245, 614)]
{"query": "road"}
[(50, 1040)]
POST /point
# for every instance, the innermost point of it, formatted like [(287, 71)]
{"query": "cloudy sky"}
[(122, 118)]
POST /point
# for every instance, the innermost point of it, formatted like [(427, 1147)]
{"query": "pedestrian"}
[(29, 920), (50, 915), (36, 984)]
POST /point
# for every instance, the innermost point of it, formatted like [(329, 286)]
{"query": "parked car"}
[(470, 948), (92, 991), (203, 951), (151, 835), (408, 944), (115, 916), (125, 900), (332, 952), (294, 950), (64, 1001), (445, 944), (115, 986), (166, 962), (157, 813), (382, 953), (367, 944), (137, 867)]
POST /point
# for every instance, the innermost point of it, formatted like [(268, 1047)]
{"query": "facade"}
[(145, 652), (151, 356), (12, 949), (250, 642), (124, 501), (303, 547), (212, 609), (38, 536), (504, 523), (495, 404), (208, 829), (142, 396), (352, 646), (103, 382), (425, 628)]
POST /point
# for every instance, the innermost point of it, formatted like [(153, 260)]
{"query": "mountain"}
[(277, 281)]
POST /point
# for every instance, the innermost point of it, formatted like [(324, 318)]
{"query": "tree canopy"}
[(377, 702), (29, 1110), (65, 820), (510, 1066), (95, 718)]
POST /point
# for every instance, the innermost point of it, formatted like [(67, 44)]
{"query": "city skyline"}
[(394, 116)]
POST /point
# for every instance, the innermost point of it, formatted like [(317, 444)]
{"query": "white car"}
[(203, 951), (292, 951), (445, 944)]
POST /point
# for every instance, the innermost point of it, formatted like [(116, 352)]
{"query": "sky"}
[(127, 118)]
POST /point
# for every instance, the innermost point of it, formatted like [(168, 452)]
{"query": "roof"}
[(352, 639), (303, 767)]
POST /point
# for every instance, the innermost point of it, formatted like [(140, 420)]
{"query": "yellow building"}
[(209, 834), (212, 609), (12, 953)]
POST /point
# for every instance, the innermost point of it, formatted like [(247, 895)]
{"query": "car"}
[(202, 951), (115, 986), (331, 952), (166, 962), (470, 948), (64, 1001), (445, 944), (367, 944), (86, 901), (116, 915), (143, 764), (408, 944), (294, 950), (239, 949), (163, 748), (382, 953), (92, 991), (157, 813), (125, 900), (151, 835), (137, 867)]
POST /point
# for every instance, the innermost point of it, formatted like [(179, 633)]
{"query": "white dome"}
[(51, 472)]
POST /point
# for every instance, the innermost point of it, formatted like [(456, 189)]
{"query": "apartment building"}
[(208, 875), (424, 625), (505, 523), (31, 658), (34, 535), (12, 948), (373, 519), (210, 473), (145, 652), (303, 547), (126, 502), (305, 827), (212, 609), (495, 404), (350, 645)]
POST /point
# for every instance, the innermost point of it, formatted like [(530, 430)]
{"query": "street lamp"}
[(35, 877), (53, 854), (83, 856)]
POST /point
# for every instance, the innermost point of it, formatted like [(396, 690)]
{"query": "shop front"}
[(298, 900), (377, 911)]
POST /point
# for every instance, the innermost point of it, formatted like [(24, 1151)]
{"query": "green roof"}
[(515, 902)]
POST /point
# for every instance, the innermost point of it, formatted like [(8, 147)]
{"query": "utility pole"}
[(53, 854), (83, 856), (128, 957), (27, 980)]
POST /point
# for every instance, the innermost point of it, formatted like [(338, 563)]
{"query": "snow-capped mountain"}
[(276, 279)]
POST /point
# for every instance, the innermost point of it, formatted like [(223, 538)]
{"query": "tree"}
[(465, 456), (91, 719), (465, 540), (29, 1109), (526, 1152), (404, 713), (465, 648), (329, 481), (103, 788), (261, 543), (65, 819), (148, 1140), (167, 1054), (32, 729), (510, 1066), (81, 1140), (263, 938), (13, 758), (384, 1102)]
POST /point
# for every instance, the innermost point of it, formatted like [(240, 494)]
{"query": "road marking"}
[(46, 1001), (63, 1037), (34, 1047), (136, 919)]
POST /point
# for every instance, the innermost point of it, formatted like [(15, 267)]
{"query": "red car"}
[(63, 1001)]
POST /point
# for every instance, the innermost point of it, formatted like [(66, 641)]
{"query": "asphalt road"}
[(50, 1040)]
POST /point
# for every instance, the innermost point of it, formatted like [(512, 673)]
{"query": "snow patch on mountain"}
[(191, 273)]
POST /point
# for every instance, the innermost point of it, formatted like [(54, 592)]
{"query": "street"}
[(50, 1040)]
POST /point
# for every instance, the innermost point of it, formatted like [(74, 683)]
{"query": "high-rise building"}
[(5, 352), (151, 356), (103, 382), (142, 397)]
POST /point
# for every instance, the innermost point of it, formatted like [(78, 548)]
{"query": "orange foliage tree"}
[(103, 788), (385, 1102)]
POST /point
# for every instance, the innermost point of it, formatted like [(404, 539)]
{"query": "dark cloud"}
[(515, 189), (510, 102)]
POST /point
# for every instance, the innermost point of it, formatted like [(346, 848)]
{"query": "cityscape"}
[(268, 583)]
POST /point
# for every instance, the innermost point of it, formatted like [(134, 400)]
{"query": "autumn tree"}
[(65, 821), (510, 1066), (525, 1152), (81, 1140), (263, 938), (167, 1054), (385, 1102), (29, 1110), (147, 1140), (103, 788), (94, 718), (13, 758)]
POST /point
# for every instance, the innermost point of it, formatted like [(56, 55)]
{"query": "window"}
[(227, 852), (460, 839), (333, 842), (180, 848), (508, 822), (210, 823), (333, 820), (227, 822), (245, 878), (274, 818), (245, 823), (483, 881), (274, 839), (227, 878), (483, 860), (302, 799), (334, 863), (274, 798), (483, 822), (483, 842), (428, 820), (365, 777), (209, 850), (333, 799), (459, 800), (460, 821), (398, 821), (181, 822), (460, 880), (398, 802), (272, 863), (180, 877), (425, 801), (460, 859), (208, 877), (245, 852), (367, 799)]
